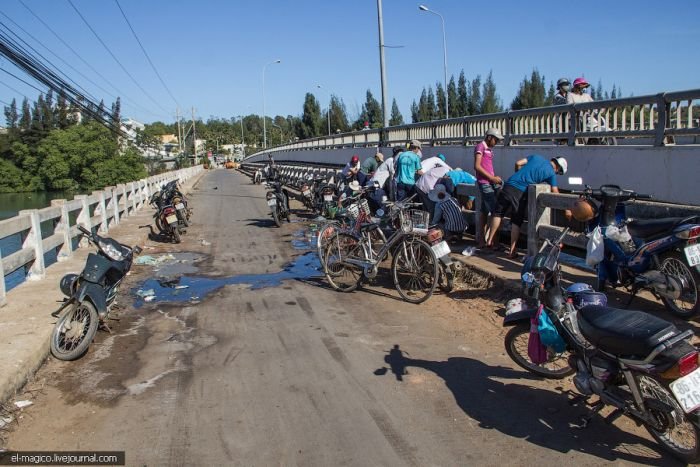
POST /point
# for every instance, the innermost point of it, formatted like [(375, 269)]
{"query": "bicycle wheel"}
[(340, 274), (325, 233), (414, 269)]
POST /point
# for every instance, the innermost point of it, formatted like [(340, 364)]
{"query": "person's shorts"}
[(488, 198), (512, 202)]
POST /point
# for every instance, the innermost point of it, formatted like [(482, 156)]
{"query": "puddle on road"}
[(304, 239), (194, 289)]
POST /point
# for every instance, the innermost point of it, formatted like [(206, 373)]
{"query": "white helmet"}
[(561, 162)]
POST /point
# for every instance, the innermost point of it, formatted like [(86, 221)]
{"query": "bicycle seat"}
[(623, 332), (368, 227), (650, 228)]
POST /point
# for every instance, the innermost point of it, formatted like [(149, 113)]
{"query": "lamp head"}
[(423, 8)]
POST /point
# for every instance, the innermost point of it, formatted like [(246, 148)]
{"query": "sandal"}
[(514, 255)]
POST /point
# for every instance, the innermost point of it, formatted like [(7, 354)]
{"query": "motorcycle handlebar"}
[(84, 230)]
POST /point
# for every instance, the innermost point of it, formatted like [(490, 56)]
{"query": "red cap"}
[(355, 159)]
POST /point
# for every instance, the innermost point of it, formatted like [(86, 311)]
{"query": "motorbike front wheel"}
[(556, 366), (276, 216), (687, 305), (74, 332), (679, 435)]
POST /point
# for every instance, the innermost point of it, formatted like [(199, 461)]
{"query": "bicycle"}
[(414, 266)]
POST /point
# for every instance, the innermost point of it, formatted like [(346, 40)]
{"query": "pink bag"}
[(535, 349)]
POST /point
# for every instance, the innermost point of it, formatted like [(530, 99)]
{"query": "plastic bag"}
[(595, 250), (535, 349), (616, 234), (549, 336)]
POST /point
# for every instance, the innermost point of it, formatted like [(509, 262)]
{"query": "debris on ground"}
[(469, 251), (153, 260), (182, 286), (23, 404), (4, 421), (205, 243), (146, 293)]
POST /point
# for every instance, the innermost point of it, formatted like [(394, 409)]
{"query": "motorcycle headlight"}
[(111, 251)]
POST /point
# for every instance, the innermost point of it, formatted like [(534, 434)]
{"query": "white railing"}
[(656, 120), (100, 210)]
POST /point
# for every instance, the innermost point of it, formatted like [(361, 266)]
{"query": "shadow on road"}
[(541, 417)]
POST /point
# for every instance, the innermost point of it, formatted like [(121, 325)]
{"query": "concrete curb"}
[(24, 343)]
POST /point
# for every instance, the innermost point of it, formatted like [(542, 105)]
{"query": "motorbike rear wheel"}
[(74, 332), (680, 436), (688, 304), (175, 232), (446, 281), (516, 341)]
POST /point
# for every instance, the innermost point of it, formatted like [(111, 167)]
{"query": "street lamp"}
[(263, 84), (329, 109), (444, 50), (382, 67), (242, 137)]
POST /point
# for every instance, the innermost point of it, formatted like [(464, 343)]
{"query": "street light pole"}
[(242, 137), (444, 52), (329, 109), (263, 85), (382, 68)]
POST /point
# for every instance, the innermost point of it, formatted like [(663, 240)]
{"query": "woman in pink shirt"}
[(486, 179)]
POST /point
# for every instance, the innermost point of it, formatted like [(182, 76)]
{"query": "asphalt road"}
[(297, 374)]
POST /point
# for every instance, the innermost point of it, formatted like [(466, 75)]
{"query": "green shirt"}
[(406, 168), (369, 165)]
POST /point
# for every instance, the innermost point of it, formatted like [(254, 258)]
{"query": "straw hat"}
[(439, 193)]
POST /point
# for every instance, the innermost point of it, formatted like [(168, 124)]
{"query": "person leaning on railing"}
[(408, 167)]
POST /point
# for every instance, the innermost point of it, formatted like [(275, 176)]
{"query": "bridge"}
[(650, 143)]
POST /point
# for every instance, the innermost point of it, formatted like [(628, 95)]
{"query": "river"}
[(10, 205)]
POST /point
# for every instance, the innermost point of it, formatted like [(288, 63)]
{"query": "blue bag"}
[(549, 336)]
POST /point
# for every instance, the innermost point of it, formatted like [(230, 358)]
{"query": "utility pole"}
[(194, 138), (179, 130), (382, 68)]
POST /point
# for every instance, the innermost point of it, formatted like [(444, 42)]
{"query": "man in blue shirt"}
[(512, 199), (407, 167)]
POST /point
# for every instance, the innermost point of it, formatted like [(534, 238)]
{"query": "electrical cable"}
[(70, 2), (119, 92), (146, 54)]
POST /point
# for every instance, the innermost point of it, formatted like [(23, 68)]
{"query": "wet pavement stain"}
[(192, 289)]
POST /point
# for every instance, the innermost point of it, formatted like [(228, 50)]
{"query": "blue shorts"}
[(488, 198)]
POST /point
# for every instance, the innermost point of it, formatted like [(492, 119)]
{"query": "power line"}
[(20, 79), (6, 103), (14, 89), (70, 2), (146, 54), (119, 92)]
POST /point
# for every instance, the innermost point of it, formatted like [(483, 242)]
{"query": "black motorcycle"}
[(89, 296), (637, 363), (278, 201)]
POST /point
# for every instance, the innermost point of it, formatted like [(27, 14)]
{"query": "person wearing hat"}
[(562, 91), (430, 162), (370, 165), (512, 199), (487, 180), (352, 168), (448, 215), (429, 179), (578, 93), (407, 168)]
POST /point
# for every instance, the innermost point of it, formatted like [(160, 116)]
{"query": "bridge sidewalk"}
[(26, 322)]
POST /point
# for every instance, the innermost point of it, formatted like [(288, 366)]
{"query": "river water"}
[(10, 205)]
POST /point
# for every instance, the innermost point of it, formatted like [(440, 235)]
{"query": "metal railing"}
[(656, 120), (100, 210)]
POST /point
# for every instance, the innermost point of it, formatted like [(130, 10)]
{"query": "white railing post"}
[(3, 292), (101, 210), (537, 215), (121, 196), (65, 251), (84, 217), (35, 241)]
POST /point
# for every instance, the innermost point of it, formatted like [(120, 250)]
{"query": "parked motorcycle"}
[(166, 218), (89, 296), (257, 177), (659, 255), (306, 187), (173, 195), (641, 365), (278, 201)]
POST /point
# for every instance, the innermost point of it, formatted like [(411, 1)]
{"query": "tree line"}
[(49, 145)]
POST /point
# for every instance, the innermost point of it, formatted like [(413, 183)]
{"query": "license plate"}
[(692, 254), (687, 391), (171, 219), (272, 202), (306, 193), (327, 197), (179, 206), (441, 249)]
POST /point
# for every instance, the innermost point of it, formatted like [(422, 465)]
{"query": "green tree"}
[(311, 118), (11, 115), (531, 93), (25, 120), (456, 109), (62, 112), (373, 110), (117, 114), (415, 112), (474, 96), (431, 106), (441, 105), (339, 115), (396, 117), (463, 95), (490, 102)]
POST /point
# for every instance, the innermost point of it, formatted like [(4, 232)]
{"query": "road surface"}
[(293, 373)]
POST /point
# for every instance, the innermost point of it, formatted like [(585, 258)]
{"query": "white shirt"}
[(573, 98), (428, 180), (383, 172), (346, 169), (432, 162)]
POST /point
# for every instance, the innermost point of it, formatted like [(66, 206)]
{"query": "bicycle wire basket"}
[(414, 219), (355, 208)]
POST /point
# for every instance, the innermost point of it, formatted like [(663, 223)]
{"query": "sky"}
[(211, 53)]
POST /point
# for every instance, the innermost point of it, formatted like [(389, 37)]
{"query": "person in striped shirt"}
[(448, 214)]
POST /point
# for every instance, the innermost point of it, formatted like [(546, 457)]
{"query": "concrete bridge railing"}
[(100, 210), (652, 120)]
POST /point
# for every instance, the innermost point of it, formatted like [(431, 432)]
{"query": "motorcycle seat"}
[(649, 228), (624, 333)]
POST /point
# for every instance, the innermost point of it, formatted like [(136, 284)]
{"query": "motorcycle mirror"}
[(575, 181)]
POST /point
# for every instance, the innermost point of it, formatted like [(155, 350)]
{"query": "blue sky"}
[(211, 52)]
